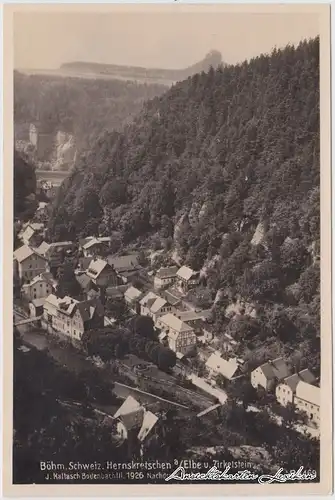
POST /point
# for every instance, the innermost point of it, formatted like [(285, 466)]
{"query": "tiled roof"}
[(124, 262), (84, 281), (132, 293), (96, 267), (147, 297), (167, 272), (149, 421), (222, 366), (277, 368), (304, 375), (157, 305), (186, 273), (88, 308), (24, 252), (178, 326), (308, 392)]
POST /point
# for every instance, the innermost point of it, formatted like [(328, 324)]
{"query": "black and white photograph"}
[(167, 186)]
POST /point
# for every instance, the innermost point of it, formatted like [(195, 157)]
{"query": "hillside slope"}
[(80, 107), (213, 59), (226, 165)]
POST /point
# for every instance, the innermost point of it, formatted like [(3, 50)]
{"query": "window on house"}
[(41, 285)]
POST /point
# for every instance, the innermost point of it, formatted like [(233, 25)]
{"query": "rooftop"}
[(124, 262), (132, 293), (175, 324), (308, 392), (24, 252), (222, 366), (96, 267), (186, 273), (167, 272)]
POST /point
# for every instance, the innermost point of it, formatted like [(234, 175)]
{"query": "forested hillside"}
[(83, 108), (24, 187), (226, 165)]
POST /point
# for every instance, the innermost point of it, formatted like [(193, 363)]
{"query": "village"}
[(205, 366)]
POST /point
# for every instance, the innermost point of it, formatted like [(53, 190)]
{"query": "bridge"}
[(27, 321)]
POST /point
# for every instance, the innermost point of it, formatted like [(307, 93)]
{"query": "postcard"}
[(167, 283)]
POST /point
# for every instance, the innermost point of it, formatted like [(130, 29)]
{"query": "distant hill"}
[(213, 59)]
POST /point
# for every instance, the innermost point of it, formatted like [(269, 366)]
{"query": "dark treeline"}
[(232, 150)]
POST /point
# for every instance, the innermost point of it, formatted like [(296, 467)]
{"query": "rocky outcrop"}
[(259, 234), (209, 264), (64, 152)]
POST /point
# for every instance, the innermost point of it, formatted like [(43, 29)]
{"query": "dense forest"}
[(224, 167), (24, 187), (81, 107)]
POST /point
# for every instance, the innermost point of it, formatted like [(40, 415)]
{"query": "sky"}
[(45, 40)]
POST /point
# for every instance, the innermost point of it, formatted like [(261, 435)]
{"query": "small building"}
[(41, 286), (55, 253), (307, 399), (32, 234), (125, 266), (36, 307), (133, 418), (28, 263), (187, 278), (154, 306), (181, 337), (270, 373), (96, 246), (101, 273), (218, 366), (132, 297), (165, 276), (285, 391)]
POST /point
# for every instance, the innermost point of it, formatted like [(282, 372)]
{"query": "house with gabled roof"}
[(155, 306), (165, 276), (187, 278), (28, 263), (308, 399), (180, 336), (286, 391), (96, 246), (39, 287), (132, 296), (32, 234), (125, 266), (101, 273), (136, 419), (72, 317), (269, 374), (55, 252), (216, 365)]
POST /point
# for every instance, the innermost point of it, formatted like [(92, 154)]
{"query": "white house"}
[(28, 263), (219, 366), (187, 278), (41, 286), (71, 317), (270, 373), (285, 391), (165, 276), (132, 416), (181, 337), (307, 398), (132, 297)]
